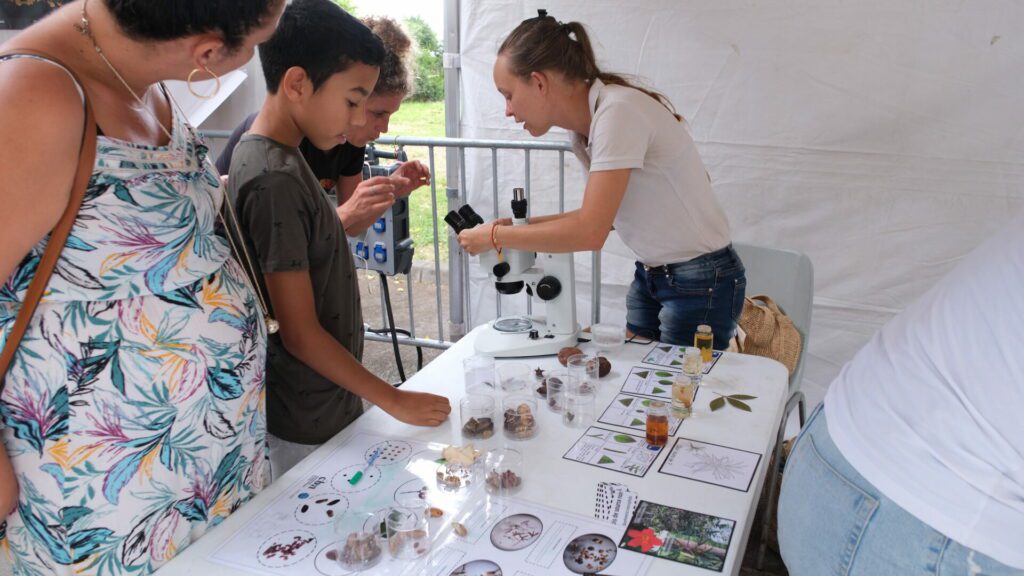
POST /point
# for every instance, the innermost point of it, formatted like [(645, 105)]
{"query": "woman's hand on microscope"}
[(477, 240)]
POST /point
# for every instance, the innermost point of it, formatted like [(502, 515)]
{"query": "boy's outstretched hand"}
[(418, 408)]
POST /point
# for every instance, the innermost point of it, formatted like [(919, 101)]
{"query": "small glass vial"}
[(504, 471), (477, 416), (683, 389), (520, 417), (703, 341), (555, 388), (657, 424)]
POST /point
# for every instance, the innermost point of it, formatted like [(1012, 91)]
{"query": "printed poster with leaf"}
[(652, 382), (616, 451), (672, 356), (631, 412)]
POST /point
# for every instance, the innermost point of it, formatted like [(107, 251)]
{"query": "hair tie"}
[(542, 13)]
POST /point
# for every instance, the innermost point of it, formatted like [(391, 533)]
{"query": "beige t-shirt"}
[(669, 213)]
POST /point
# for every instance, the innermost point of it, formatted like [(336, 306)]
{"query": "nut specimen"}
[(568, 352), (603, 366)]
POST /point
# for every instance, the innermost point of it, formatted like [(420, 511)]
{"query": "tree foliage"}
[(347, 6), (429, 63)]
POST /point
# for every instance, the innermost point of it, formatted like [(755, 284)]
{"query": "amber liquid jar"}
[(657, 424), (703, 341)]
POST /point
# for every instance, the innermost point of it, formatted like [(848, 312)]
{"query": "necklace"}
[(272, 325)]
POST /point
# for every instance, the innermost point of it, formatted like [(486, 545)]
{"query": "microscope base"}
[(518, 344)]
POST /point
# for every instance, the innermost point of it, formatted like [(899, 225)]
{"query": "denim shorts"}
[(833, 521), (667, 303)]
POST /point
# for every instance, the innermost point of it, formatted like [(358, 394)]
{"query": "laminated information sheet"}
[(304, 531)]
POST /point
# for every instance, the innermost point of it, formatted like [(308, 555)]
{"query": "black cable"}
[(633, 340), (391, 323)]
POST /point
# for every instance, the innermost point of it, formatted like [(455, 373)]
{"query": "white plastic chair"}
[(788, 277)]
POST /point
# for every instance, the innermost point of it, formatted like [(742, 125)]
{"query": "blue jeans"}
[(833, 521), (667, 303)]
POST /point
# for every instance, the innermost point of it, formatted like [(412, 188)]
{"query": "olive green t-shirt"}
[(290, 225)]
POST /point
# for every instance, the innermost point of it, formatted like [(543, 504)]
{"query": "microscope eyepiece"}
[(456, 222), (518, 203), (470, 216)]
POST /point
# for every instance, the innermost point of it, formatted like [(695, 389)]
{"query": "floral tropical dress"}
[(134, 409)]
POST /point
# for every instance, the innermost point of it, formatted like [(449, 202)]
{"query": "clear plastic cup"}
[(452, 477), (554, 386), (479, 375), (408, 532), (503, 471), (514, 377), (519, 417), (361, 546), (584, 372), (580, 408), (608, 337), (477, 416), (361, 551)]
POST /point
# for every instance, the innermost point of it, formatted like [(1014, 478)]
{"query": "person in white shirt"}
[(645, 178), (915, 462)]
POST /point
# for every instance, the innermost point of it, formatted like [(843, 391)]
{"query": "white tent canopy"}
[(883, 138)]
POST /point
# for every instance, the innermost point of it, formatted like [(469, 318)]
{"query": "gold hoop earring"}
[(216, 79)]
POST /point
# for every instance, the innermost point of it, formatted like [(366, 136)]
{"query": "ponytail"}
[(543, 43)]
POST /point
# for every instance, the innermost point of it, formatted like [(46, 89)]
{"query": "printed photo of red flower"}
[(645, 539)]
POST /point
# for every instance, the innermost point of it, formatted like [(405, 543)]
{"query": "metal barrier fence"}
[(459, 305)]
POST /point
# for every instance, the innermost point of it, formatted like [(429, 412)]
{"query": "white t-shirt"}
[(669, 213), (931, 410)]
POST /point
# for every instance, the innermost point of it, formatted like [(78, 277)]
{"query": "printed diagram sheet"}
[(652, 382), (617, 451), (712, 464), (672, 356), (304, 531), (631, 412)]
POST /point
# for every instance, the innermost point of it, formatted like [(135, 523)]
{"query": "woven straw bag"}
[(769, 332)]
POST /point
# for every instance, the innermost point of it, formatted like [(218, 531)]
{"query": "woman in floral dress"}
[(132, 414)]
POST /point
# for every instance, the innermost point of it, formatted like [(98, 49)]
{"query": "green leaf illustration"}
[(676, 363), (646, 402), (717, 403), (737, 404), (664, 348), (624, 439), (636, 422), (658, 390), (627, 402), (605, 460), (642, 374), (663, 374), (742, 396), (665, 382)]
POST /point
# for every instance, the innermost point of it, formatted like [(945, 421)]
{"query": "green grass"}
[(425, 119)]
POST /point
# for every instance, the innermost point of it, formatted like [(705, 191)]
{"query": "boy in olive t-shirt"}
[(320, 65)]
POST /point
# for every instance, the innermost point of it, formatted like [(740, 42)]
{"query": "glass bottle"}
[(703, 341), (657, 423)]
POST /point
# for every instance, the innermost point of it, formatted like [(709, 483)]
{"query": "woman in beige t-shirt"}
[(646, 180)]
